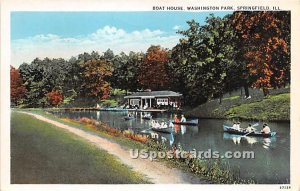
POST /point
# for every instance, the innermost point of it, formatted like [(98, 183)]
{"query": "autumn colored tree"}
[(153, 72), (55, 97), (17, 88), (265, 42), (95, 82)]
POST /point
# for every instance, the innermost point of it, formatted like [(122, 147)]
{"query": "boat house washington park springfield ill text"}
[(154, 99)]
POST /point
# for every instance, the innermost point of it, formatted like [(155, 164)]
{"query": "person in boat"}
[(238, 126), (183, 119), (163, 125), (250, 128), (234, 125), (176, 119), (147, 115), (154, 124), (266, 129)]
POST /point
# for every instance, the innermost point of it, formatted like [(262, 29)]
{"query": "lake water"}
[(271, 164)]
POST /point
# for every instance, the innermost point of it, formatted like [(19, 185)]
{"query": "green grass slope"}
[(275, 107), (44, 154)]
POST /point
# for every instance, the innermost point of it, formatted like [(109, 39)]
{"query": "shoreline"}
[(188, 114)]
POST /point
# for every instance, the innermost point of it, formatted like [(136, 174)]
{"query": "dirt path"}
[(156, 171)]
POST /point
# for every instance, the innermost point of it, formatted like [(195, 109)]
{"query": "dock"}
[(111, 109)]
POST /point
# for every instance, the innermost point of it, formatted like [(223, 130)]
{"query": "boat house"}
[(154, 99)]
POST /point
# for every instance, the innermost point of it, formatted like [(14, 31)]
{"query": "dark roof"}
[(154, 94)]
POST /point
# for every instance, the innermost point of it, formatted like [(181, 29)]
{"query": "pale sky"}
[(66, 34)]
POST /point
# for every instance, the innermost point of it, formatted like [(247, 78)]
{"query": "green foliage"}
[(203, 63), (109, 103), (126, 70)]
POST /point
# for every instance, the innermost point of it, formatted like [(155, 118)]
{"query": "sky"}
[(67, 34)]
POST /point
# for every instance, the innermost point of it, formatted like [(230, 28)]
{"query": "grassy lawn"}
[(271, 108), (44, 154), (275, 107)]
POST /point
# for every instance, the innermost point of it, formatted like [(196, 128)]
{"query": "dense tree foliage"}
[(95, 83), (17, 89), (204, 62), (126, 70), (265, 38), (240, 50), (154, 72)]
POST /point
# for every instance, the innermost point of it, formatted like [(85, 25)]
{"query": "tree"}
[(265, 37), (126, 70), (203, 62), (17, 88), (95, 76), (55, 97), (153, 72), (41, 77)]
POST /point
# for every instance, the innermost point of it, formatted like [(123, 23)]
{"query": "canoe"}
[(129, 118), (162, 130), (231, 130), (191, 122)]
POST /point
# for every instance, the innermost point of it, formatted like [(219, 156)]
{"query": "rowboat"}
[(162, 130), (129, 117), (191, 122), (231, 130)]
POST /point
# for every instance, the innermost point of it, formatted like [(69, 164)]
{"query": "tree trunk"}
[(220, 99), (266, 91), (246, 87)]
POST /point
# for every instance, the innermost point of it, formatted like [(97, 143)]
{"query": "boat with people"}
[(147, 116), (183, 121), (160, 127), (244, 132)]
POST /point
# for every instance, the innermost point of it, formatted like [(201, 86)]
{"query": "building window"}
[(134, 102), (162, 101)]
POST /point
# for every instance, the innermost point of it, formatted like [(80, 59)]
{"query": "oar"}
[(247, 133), (254, 125)]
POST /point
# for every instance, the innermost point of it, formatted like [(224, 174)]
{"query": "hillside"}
[(275, 107)]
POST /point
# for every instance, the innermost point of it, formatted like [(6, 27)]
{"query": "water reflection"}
[(239, 139)]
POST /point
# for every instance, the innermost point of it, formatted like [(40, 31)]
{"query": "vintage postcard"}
[(149, 95)]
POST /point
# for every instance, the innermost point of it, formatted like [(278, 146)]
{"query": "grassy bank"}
[(42, 153), (275, 107)]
